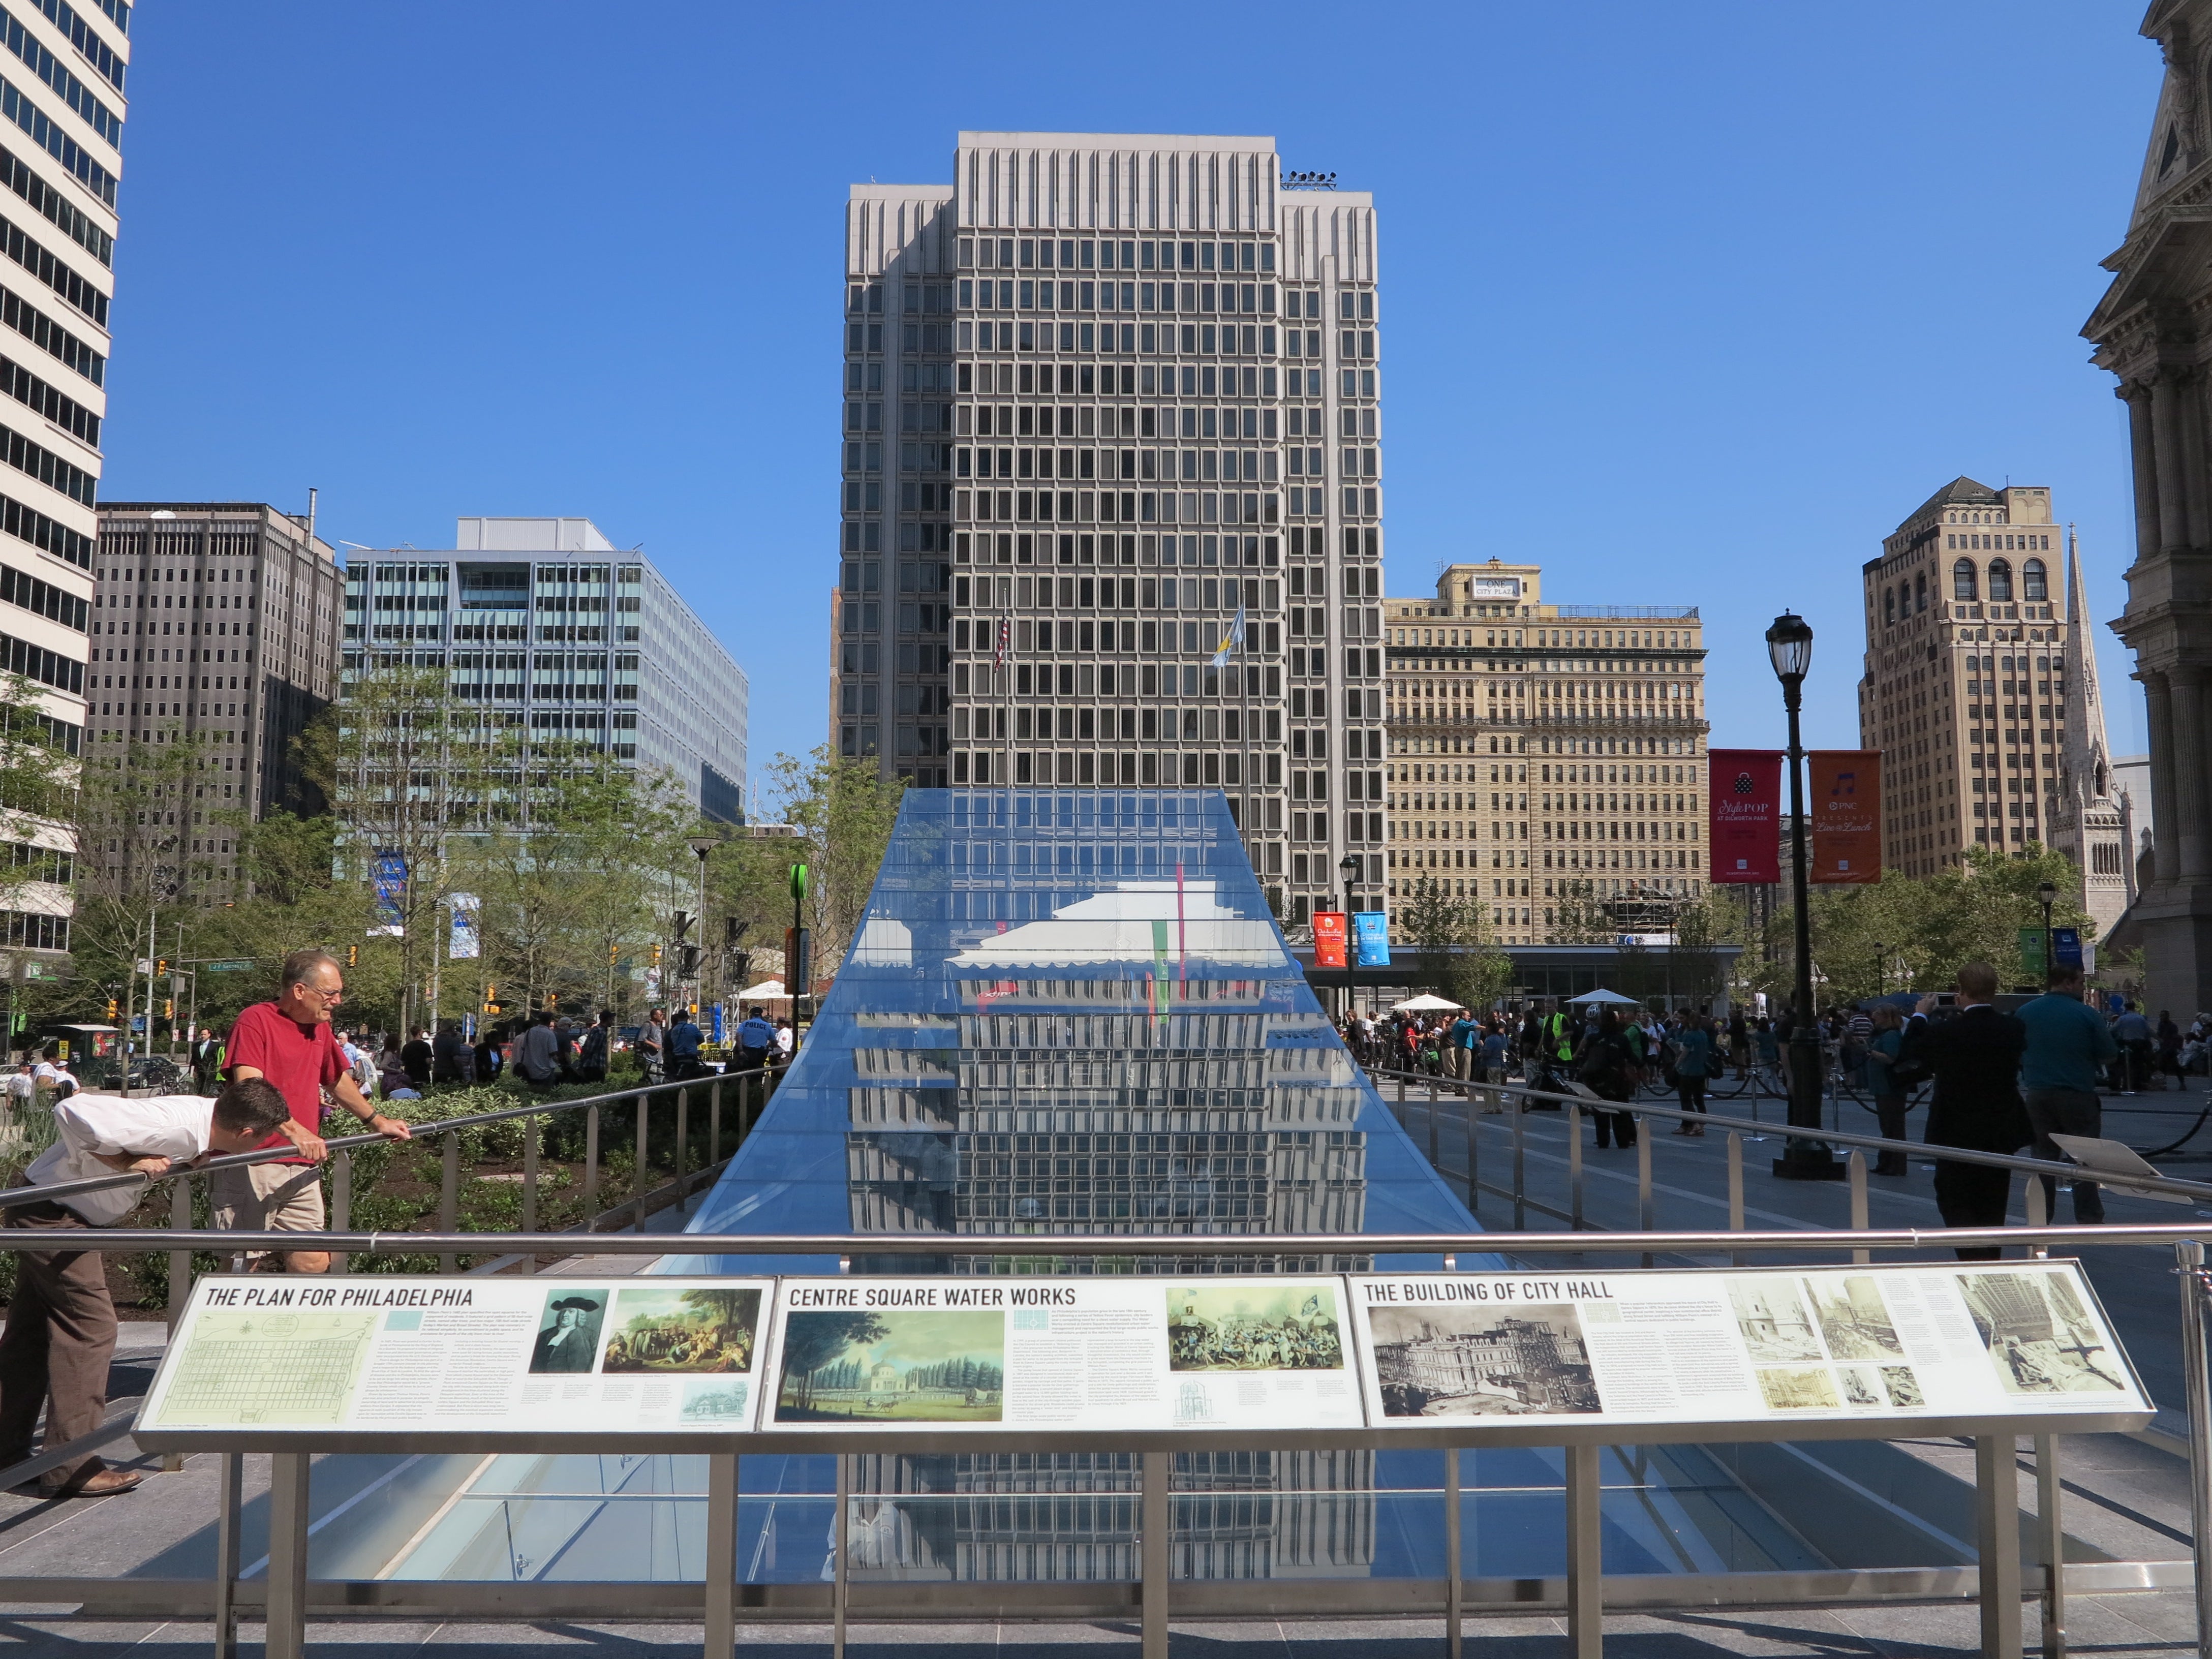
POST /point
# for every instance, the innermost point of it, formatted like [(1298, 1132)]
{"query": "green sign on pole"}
[(799, 883), (2031, 953), (228, 967)]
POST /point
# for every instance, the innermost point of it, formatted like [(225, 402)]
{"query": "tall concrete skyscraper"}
[(1110, 401), (1979, 689), (62, 76)]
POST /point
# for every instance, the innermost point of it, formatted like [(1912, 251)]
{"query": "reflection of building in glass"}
[(1072, 1012)]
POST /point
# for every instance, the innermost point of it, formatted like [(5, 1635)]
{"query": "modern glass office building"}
[(550, 625)]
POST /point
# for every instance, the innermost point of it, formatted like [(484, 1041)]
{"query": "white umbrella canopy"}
[(1424, 1004), (1601, 995)]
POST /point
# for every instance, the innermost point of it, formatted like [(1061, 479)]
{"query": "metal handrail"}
[(13, 1196), (1448, 1086), (847, 1245)]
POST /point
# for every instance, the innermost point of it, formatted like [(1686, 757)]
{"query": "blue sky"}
[(1691, 304)]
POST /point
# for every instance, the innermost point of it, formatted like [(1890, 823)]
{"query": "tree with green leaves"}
[(1451, 946)]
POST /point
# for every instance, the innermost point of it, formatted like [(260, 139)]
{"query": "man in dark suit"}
[(1975, 1059), (567, 1341)]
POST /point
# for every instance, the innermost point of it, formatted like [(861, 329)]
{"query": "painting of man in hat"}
[(568, 1332)]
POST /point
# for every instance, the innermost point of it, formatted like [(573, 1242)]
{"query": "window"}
[(2000, 579), (1888, 605), (1964, 586), (2033, 580)]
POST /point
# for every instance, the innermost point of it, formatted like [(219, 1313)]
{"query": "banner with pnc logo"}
[(1847, 812), (1746, 815)]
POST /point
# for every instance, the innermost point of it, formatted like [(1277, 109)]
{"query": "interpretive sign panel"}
[(1979, 1339), (1076, 1353), (373, 1352)]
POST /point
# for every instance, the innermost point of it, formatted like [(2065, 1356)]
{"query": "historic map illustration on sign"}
[(933, 1365), (268, 1370), (1253, 1326), (1474, 1361)]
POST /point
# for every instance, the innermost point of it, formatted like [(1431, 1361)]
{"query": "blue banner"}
[(2066, 946), (1370, 934)]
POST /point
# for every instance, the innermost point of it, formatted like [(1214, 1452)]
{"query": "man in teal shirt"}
[(2068, 1044)]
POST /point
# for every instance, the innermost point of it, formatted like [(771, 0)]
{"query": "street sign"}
[(229, 966)]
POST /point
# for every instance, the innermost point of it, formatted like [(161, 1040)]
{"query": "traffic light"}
[(656, 956), (353, 956), (613, 950), (491, 999), (689, 968), (683, 923), (111, 1009), (162, 967), (551, 998), (168, 1008)]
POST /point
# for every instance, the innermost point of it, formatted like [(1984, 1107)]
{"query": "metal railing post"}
[(1735, 1190), (714, 1123), (1854, 1169), (2189, 1257), (1152, 1552), (1402, 1100), (530, 1175), (341, 1202), (682, 1135), (2037, 1206), (2049, 1510), (449, 1196), (1997, 1532), (1585, 1558), (1644, 1207), (180, 1261), (1453, 1590), (230, 1480), (1574, 1167), (287, 1636), (1519, 1163), (591, 1166), (840, 1584), (637, 1203), (721, 1555), (1435, 1155), (1473, 1160)]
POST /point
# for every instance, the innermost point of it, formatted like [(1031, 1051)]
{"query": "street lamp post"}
[(1789, 647), (1349, 867), (1881, 969), (2049, 894), (703, 845)]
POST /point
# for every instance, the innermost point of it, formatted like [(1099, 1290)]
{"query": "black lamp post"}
[(1881, 969), (1790, 646), (1349, 867), (2049, 895)]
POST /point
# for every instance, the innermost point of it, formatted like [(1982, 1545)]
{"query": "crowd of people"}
[(2001, 1082)]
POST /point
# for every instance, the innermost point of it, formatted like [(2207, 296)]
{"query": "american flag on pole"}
[(998, 657)]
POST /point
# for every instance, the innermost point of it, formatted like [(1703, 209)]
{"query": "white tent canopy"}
[(1602, 995), (768, 990), (1424, 1004)]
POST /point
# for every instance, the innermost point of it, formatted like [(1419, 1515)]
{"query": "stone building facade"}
[(2153, 330)]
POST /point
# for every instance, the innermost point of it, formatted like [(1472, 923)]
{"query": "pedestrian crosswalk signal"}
[(353, 956), (168, 1008)]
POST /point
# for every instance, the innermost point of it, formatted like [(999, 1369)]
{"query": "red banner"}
[(1746, 815), (1846, 811), (1328, 938)]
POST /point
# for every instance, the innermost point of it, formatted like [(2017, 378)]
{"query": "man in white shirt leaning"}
[(61, 1330)]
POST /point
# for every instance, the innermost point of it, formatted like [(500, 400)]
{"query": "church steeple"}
[(2094, 831)]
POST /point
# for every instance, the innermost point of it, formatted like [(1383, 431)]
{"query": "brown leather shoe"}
[(100, 1483)]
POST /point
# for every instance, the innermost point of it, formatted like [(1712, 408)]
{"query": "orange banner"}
[(1328, 929), (1846, 803)]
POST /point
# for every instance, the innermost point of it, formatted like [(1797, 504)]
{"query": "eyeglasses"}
[(335, 996)]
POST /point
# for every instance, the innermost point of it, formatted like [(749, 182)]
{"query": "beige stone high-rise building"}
[(1541, 751), (1980, 689)]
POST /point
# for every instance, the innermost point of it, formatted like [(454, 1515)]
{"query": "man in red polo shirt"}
[(288, 1042)]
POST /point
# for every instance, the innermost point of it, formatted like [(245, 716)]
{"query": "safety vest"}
[(1556, 1033)]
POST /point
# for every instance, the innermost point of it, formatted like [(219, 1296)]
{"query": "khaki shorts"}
[(268, 1197)]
